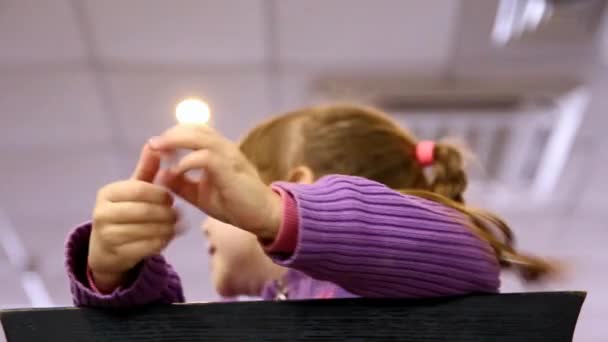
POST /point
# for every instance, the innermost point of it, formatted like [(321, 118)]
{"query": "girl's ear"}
[(301, 174)]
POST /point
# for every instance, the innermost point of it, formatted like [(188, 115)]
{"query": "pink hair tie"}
[(424, 152)]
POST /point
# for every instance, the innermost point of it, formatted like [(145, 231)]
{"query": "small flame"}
[(192, 111)]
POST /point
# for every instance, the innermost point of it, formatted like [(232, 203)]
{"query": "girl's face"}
[(239, 265)]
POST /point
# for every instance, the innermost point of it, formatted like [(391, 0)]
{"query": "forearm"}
[(376, 242)]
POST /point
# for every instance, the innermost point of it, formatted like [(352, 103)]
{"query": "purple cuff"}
[(155, 280), (287, 237)]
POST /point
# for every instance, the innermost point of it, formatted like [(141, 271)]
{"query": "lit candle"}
[(188, 111), (192, 111)]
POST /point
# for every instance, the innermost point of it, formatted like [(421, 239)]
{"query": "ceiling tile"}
[(475, 54), (181, 31), (382, 33), (50, 109), (145, 102), (33, 31), (301, 87), (295, 88), (46, 183)]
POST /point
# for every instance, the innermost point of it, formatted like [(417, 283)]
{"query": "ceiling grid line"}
[(272, 65), (448, 72), (102, 85)]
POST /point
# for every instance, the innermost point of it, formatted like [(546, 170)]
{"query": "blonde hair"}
[(361, 141)]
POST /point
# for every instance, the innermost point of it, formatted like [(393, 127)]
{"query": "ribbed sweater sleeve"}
[(154, 281), (376, 242)]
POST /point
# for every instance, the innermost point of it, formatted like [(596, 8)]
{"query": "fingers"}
[(180, 184), (135, 191), (134, 212), (201, 159), (144, 248), (124, 233), (147, 165), (186, 136)]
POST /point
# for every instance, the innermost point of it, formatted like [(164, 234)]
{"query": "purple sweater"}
[(356, 237)]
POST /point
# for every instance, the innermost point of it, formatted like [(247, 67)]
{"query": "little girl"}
[(324, 202)]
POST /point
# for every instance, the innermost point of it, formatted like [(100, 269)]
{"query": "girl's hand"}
[(230, 189), (133, 219)]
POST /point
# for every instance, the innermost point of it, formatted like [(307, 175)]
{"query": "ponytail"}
[(449, 178), (447, 186)]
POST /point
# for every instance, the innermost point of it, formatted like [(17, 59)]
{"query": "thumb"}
[(147, 166)]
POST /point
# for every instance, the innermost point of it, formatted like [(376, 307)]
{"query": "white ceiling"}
[(34, 104), (190, 32), (353, 33), (34, 32), (83, 83)]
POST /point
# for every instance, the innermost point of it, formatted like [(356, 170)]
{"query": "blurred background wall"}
[(83, 83)]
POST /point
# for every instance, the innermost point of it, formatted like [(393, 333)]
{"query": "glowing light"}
[(192, 111)]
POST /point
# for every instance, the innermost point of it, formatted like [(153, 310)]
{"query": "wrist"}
[(287, 237), (274, 215), (100, 277), (105, 282)]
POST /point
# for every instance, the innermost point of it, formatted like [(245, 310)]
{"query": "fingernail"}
[(154, 142)]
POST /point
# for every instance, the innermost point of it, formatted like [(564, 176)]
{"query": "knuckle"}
[(100, 213), (155, 212), (107, 192), (138, 190), (103, 192), (238, 164), (124, 212), (143, 210)]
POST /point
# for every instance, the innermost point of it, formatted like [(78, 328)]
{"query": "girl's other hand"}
[(229, 190), (133, 219)]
